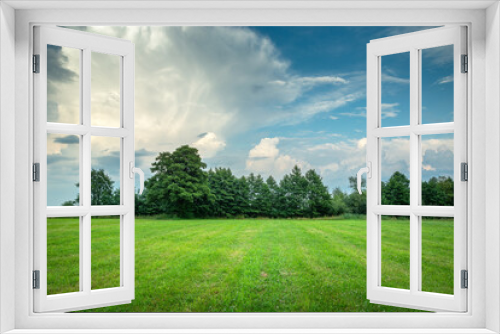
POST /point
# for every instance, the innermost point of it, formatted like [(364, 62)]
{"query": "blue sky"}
[(255, 99)]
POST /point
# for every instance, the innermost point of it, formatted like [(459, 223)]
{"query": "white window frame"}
[(484, 50), (86, 44), (413, 44)]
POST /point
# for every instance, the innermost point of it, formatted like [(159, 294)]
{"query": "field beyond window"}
[(258, 265)]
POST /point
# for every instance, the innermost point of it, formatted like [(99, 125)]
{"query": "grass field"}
[(250, 265)]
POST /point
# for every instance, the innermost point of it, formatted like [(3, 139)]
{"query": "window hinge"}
[(465, 279), (464, 171), (36, 279), (36, 172), (465, 63), (36, 63)]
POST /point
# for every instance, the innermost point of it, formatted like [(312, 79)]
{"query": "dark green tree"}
[(339, 206), (318, 198), (242, 197), (396, 191), (273, 197), (355, 202), (102, 190), (223, 186), (180, 183), (438, 191), (297, 189)]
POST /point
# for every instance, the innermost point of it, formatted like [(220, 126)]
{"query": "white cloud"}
[(321, 80), (265, 158), (333, 117), (394, 79), (390, 110), (208, 145), (265, 149), (361, 143), (354, 114), (428, 168), (444, 80)]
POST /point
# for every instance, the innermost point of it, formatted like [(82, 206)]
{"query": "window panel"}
[(105, 90), (395, 94), (395, 170), (437, 170), (437, 84), (437, 254), (63, 170), (63, 255), (105, 174), (395, 252), (105, 252), (63, 84)]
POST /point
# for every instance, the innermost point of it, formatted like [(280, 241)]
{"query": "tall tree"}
[(222, 184), (102, 190), (273, 197), (339, 205), (297, 192), (438, 191), (242, 196), (396, 191), (318, 197), (180, 182), (356, 202)]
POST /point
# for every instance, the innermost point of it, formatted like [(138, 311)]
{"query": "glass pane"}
[(105, 252), (105, 176), (63, 170), (437, 255), (437, 84), (437, 170), (63, 84), (395, 170), (395, 89), (63, 255), (105, 91), (396, 252)]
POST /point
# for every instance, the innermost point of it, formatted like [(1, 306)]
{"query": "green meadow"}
[(250, 265)]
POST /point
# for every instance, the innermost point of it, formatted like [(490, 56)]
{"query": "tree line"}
[(182, 187)]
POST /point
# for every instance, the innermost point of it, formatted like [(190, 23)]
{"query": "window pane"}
[(395, 89), (105, 177), (105, 252), (437, 84), (395, 170), (63, 255), (396, 252), (105, 91), (437, 255), (437, 170), (63, 84), (63, 170)]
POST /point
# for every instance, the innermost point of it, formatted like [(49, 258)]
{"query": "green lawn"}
[(250, 265)]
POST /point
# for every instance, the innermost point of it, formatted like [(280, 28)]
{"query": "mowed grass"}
[(250, 265)]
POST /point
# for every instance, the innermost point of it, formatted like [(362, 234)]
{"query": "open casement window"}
[(435, 118), (81, 120)]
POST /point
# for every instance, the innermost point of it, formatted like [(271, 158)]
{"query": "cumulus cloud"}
[(265, 158), (265, 149), (208, 144)]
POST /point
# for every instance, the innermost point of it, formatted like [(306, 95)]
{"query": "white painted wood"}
[(414, 43), (246, 4), (86, 298), (491, 169), (7, 167), (471, 322)]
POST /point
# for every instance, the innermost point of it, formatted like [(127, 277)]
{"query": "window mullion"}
[(85, 191), (415, 251)]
